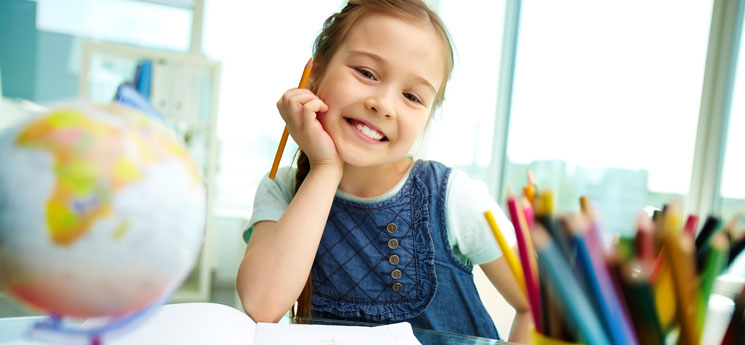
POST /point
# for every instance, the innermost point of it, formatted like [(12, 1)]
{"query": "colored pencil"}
[(527, 259), (544, 210), (529, 189), (715, 264), (594, 235), (738, 241), (600, 288), (691, 225), (509, 255), (574, 302), (644, 241), (286, 133), (640, 302), (664, 294), (528, 212), (680, 252), (736, 329), (710, 225)]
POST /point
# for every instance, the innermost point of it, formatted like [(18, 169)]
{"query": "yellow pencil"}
[(509, 255), (680, 252), (285, 133)]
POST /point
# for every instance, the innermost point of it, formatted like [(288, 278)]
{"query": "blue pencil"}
[(576, 305), (602, 294)]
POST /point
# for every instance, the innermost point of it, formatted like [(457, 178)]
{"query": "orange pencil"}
[(285, 134), (529, 190)]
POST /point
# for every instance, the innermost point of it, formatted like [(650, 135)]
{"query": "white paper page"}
[(403, 333), (287, 334), (190, 323)]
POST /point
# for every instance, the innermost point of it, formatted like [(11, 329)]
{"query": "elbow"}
[(263, 313), (259, 302), (260, 308), (522, 308)]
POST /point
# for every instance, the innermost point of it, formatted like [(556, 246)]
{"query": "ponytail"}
[(303, 301)]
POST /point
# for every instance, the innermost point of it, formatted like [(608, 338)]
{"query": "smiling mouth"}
[(366, 130)]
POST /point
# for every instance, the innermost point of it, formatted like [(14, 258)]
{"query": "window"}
[(263, 55), (164, 25), (732, 188), (606, 101), (462, 130)]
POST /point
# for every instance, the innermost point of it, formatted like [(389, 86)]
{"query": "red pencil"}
[(527, 259)]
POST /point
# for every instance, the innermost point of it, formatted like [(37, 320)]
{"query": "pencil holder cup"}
[(540, 339)]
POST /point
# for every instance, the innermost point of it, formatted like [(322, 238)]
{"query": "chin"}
[(358, 159)]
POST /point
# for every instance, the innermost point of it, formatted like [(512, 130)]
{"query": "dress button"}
[(393, 260), (393, 243), (396, 274), (391, 228), (397, 286)]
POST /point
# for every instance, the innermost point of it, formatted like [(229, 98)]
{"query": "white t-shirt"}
[(466, 201)]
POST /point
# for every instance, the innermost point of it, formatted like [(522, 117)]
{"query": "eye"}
[(365, 73), (412, 97)]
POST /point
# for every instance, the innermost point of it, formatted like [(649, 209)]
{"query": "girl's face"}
[(380, 87)]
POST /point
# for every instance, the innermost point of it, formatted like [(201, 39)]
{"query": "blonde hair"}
[(335, 30)]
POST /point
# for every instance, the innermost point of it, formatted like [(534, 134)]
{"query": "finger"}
[(315, 105), (296, 96), (291, 103)]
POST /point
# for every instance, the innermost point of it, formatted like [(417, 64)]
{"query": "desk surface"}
[(425, 336), (205, 323)]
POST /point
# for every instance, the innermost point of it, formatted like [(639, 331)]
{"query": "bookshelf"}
[(185, 90)]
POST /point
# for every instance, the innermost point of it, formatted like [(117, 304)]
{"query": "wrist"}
[(331, 172)]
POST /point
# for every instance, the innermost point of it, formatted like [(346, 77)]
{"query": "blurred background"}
[(632, 103)]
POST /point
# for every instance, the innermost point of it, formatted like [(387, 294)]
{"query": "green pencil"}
[(639, 296), (716, 261)]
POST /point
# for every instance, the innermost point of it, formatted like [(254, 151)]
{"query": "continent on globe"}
[(102, 211), (82, 166)]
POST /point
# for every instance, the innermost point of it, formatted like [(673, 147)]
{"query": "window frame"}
[(716, 99)]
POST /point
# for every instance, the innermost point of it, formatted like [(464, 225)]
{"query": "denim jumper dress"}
[(391, 261)]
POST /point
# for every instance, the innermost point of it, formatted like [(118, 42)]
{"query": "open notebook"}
[(209, 323)]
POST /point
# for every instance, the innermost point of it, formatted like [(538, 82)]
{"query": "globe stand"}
[(55, 330)]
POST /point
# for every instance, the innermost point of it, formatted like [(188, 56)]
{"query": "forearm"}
[(520, 331), (276, 266)]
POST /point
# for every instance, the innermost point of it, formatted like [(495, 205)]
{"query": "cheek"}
[(323, 119), (419, 125), (414, 129)]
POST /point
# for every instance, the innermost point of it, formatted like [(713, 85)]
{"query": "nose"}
[(381, 103)]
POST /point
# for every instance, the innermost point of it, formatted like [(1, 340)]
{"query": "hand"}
[(299, 108)]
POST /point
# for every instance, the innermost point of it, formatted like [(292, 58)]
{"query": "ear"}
[(313, 79)]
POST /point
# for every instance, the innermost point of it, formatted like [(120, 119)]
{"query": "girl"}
[(383, 238)]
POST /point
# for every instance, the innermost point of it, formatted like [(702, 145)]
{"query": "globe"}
[(102, 211)]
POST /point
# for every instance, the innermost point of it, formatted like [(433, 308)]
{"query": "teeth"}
[(373, 134)]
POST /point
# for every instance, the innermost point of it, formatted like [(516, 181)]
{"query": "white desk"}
[(186, 323)]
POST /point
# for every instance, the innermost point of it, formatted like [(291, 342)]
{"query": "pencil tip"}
[(510, 194), (531, 178)]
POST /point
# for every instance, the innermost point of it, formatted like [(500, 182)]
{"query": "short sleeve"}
[(470, 236), (272, 198)]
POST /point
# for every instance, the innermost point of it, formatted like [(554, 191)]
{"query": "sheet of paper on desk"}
[(210, 323), (287, 334)]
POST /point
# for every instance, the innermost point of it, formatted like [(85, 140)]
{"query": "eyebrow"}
[(380, 59)]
